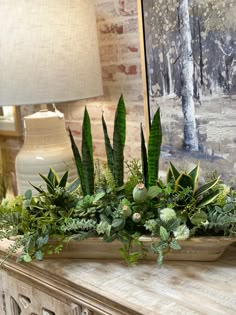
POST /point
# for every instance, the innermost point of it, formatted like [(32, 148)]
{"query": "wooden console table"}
[(92, 287)]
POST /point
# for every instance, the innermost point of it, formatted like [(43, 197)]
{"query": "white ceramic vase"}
[(46, 145)]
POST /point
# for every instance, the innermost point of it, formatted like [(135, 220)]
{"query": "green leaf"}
[(174, 245), (28, 194), (53, 177), (98, 196), (42, 240), (198, 218), (78, 163), (172, 173), (119, 142), (183, 181), (173, 224), (208, 199), (118, 223), (37, 188), (164, 234), (194, 174), (228, 207), (74, 185), (153, 192), (207, 187), (160, 258), (108, 147), (87, 154), (104, 228), (144, 158), (63, 180), (50, 186), (27, 258), (154, 149), (38, 255)]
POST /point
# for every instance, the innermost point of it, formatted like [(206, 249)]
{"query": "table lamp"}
[(48, 54)]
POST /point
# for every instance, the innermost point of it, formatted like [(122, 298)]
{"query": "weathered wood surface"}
[(110, 287), (195, 249)]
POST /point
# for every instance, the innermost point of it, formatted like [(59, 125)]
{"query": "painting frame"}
[(214, 154)]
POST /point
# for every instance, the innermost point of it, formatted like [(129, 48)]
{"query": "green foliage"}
[(144, 157), (189, 195), (87, 154), (134, 176), (84, 164), (115, 154), (150, 159), (100, 203)]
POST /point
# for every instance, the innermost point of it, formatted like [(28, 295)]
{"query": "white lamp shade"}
[(48, 51)]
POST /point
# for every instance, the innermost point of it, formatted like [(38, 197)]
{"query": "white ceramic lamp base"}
[(46, 145)]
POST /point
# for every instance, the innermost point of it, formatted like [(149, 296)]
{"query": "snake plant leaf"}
[(87, 154), (73, 186), (37, 188), (206, 187), (78, 162), (119, 134), (194, 174), (63, 180), (144, 157), (108, 147), (53, 177), (172, 173), (154, 149), (120, 120), (206, 200), (118, 170), (50, 186), (183, 181)]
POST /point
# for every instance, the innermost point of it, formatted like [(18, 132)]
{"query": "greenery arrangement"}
[(120, 200)]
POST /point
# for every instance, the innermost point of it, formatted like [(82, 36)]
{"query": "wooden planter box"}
[(195, 249)]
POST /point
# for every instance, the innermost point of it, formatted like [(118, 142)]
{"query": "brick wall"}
[(118, 36), (119, 46)]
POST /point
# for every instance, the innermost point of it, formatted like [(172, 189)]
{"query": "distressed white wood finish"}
[(95, 287)]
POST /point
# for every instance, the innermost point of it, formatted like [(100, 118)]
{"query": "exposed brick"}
[(111, 31)]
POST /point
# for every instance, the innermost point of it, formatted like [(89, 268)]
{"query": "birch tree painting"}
[(191, 71)]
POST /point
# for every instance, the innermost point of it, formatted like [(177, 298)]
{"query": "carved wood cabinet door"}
[(19, 298)]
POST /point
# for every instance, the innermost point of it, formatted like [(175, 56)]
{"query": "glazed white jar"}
[(46, 145)]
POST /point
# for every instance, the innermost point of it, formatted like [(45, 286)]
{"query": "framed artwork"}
[(10, 121), (190, 54)]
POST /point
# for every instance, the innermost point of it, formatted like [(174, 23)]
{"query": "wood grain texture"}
[(110, 287), (195, 249)]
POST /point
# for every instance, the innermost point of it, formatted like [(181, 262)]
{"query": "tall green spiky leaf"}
[(87, 154), (78, 162), (154, 149), (119, 135), (144, 158), (109, 149)]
